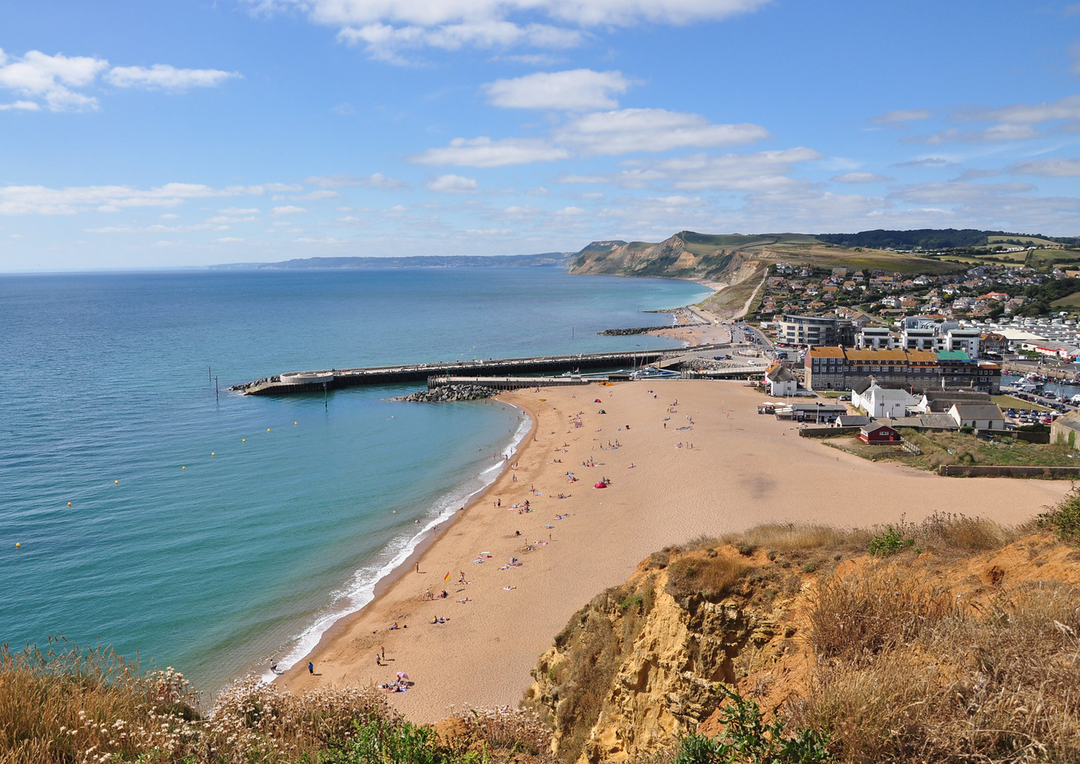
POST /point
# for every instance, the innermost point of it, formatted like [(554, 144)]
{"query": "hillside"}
[(956, 641), (737, 262)]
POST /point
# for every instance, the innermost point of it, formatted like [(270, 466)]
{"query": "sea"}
[(146, 509)]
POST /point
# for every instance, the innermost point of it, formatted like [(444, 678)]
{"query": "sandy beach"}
[(707, 464)]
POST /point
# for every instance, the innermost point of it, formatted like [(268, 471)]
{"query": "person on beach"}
[(311, 668), (273, 666)]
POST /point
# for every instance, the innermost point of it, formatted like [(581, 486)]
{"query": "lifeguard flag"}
[(447, 576)]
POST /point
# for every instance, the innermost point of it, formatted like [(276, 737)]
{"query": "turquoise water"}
[(210, 531)]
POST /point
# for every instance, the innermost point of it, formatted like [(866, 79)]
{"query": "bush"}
[(747, 739), (1064, 519), (711, 577), (890, 541)]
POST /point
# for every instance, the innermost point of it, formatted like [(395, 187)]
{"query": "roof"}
[(968, 411), (828, 408), (862, 384), (876, 356), (953, 355), (893, 394), (777, 372), (853, 420), (825, 352), (943, 400), (1070, 420), (875, 426), (921, 356)]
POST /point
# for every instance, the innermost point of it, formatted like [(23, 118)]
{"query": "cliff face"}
[(675, 257), (642, 663), (922, 656)]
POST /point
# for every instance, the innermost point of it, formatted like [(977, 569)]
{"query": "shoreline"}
[(296, 654), (708, 465)]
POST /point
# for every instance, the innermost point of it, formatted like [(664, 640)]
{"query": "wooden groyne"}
[(336, 379)]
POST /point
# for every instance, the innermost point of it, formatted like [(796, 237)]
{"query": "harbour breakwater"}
[(289, 383)]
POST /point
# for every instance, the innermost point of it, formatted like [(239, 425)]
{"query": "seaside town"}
[(540, 382)]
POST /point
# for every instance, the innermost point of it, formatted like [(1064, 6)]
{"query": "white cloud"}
[(241, 211), (1059, 167), (386, 26), (54, 81), (41, 200), (431, 13), (324, 193), (228, 240), (954, 192), (384, 42), (288, 210), (452, 184), (165, 77), (377, 180), (900, 117), (860, 177), (759, 172), (574, 90), (20, 105), (633, 130), (1067, 108), (50, 78), (484, 152)]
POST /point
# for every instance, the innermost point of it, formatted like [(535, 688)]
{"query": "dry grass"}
[(906, 674), (710, 575), (74, 706)]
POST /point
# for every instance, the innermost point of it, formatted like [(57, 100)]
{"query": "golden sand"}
[(708, 465)]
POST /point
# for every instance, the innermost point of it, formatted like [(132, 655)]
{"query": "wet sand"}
[(717, 466)]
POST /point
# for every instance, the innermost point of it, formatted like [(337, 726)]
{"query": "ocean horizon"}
[(212, 532)]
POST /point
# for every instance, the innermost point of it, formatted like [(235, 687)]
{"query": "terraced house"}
[(840, 368)]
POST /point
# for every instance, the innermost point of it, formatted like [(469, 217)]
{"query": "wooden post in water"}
[(325, 404), (217, 390), (208, 374)]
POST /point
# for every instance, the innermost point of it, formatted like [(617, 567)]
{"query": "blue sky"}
[(188, 132)]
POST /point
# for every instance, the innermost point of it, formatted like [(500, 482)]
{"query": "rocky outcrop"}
[(446, 393), (644, 662)]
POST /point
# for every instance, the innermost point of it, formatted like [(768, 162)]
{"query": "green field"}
[(1068, 301), (1007, 401)]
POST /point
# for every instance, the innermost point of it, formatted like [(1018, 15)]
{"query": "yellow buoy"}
[(17, 545), (296, 423), (69, 503), (183, 468), (116, 482), (268, 429), (211, 453), (243, 440)]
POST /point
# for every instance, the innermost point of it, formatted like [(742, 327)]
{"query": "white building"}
[(883, 402), (780, 380), (875, 337)]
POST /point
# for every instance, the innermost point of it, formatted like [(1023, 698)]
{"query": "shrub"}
[(1064, 519), (712, 577), (747, 739), (890, 541)]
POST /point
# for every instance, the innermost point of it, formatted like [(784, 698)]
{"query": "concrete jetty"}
[(336, 379)]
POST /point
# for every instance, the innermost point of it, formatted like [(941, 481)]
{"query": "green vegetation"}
[(954, 447), (748, 739), (1064, 519), (889, 542), (68, 705), (1012, 402)]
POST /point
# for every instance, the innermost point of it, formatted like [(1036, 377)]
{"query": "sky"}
[(178, 133)]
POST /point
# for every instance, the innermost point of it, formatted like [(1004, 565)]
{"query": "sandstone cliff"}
[(923, 654)]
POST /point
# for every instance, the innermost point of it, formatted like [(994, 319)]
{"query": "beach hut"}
[(878, 434)]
